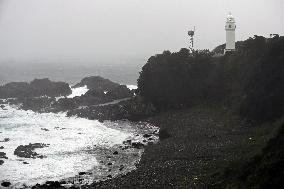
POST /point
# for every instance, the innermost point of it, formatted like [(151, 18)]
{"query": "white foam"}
[(79, 91), (71, 140), (131, 87)]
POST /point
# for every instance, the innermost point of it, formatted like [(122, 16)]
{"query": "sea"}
[(72, 141), (124, 71)]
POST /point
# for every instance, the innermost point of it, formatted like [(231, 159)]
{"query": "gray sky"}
[(87, 29)]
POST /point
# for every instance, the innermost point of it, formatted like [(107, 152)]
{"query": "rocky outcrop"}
[(120, 92), (14, 90), (46, 87), (97, 83), (37, 88), (41, 104), (27, 151), (40, 94), (132, 109)]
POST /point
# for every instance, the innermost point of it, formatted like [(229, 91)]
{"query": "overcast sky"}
[(85, 29)]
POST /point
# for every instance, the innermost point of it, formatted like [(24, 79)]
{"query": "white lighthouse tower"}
[(230, 33)]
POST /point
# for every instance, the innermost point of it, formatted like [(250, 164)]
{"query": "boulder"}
[(27, 151), (6, 184), (3, 155), (5, 140)]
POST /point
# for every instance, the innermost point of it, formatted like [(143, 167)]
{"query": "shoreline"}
[(202, 143), (118, 159)]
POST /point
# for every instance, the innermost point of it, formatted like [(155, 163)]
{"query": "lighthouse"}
[(230, 33)]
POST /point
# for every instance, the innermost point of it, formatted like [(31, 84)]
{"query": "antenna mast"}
[(191, 37)]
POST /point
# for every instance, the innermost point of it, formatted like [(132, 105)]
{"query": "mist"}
[(110, 30)]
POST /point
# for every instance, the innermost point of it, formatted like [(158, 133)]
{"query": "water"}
[(70, 140), (72, 71)]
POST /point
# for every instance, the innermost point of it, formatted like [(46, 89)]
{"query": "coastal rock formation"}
[(101, 91), (97, 83), (27, 151), (37, 88), (120, 92), (132, 109)]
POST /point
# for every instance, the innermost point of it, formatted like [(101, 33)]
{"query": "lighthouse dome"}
[(230, 18)]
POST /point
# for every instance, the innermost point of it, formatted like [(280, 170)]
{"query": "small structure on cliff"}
[(191, 35)]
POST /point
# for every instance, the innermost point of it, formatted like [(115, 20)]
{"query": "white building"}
[(230, 33)]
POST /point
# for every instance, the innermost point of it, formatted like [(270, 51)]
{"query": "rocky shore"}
[(195, 146)]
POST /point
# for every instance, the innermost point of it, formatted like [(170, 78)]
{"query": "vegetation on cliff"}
[(250, 80)]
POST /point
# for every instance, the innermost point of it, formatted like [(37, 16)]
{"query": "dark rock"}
[(93, 97), (137, 145), (127, 142), (147, 135), (115, 152), (25, 162), (1, 162), (109, 176), (132, 109), (3, 155), (120, 92), (82, 173), (1, 147), (37, 104), (6, 184), (44, 129), (63, 182), (97, 83), (14, 90), (64, 104), (37, 88), (53, 184), (5, 140), (2, 106), (26, 151), (109, 163), (46, 87)]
